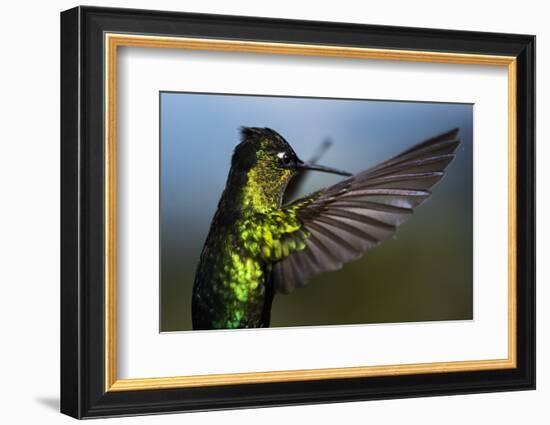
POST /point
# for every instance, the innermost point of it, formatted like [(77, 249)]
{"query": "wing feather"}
[(340, 223)]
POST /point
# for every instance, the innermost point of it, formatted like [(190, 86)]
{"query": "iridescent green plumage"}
[(248, 234), (257, 247)]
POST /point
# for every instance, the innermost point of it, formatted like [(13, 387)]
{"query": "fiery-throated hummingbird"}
[(257, 247)]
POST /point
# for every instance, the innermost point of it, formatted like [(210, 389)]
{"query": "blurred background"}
[(424, 273)]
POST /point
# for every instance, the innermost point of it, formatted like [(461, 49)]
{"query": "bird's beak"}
[(309, 166)]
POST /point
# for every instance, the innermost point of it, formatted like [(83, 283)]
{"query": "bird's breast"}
[(230, 283)]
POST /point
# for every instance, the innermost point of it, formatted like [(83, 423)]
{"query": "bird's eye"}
[(285, 159)]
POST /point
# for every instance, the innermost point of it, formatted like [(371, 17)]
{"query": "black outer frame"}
[(82, 219)]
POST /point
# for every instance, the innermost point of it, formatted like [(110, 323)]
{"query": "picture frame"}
[(91, 38)]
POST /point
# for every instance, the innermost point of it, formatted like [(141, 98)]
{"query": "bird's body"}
[(233, 287), (257, 247)]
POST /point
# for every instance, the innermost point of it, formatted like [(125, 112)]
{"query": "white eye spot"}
[(284, 158)]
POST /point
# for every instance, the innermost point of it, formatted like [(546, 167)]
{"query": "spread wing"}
[(340, 223)]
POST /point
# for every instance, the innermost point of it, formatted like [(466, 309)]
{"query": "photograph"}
[(283, 211), (268, 211)]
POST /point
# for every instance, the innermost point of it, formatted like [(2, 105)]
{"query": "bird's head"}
[(263, 149), (269, 162)]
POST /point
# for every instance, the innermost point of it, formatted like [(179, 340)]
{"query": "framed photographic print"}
[(262, 212)]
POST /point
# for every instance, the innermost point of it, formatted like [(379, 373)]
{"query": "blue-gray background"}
[(424, 273)]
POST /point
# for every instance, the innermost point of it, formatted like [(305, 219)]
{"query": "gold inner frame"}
[(113, 41)]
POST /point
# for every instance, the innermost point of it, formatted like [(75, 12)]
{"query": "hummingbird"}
[(258, 247)]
